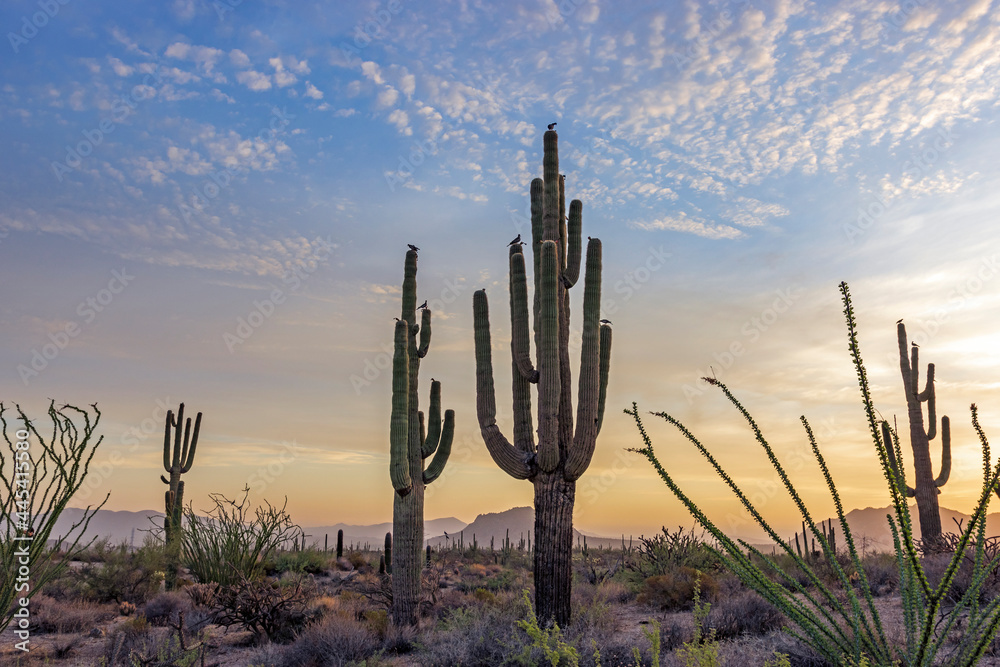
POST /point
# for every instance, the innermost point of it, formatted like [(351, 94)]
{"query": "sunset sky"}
[(210, 201)]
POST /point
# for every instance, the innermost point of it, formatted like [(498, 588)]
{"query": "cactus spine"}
[(409, 447), (926, 486), (561, 455), (176, 462)]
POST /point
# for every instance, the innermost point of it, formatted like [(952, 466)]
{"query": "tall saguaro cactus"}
[(409, 446), (176, 461), (561, 454), (926, 486)]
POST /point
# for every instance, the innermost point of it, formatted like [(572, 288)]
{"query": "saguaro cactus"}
[(409, 446), (177, 463), (561, 455), (926, 487)]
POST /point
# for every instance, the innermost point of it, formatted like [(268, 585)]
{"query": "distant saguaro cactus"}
[(409, 447), (177, 463), (926, 487), (561, 455)]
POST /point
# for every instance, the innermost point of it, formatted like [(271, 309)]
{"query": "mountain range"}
[(869, 527)]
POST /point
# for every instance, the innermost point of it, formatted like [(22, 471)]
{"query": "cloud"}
[(681, 222), (255, 81), (313, 92), (239, 58), (206, 57)]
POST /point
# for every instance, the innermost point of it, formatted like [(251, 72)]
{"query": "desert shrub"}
[(358, 561), (675, 591), (269, 609), (129, 638), (202, 595), (121, 575), (882, 573), (231, 543), (50, 615), (742, 613), (670, 551), (166, 608), (310, 561), (334, 641)]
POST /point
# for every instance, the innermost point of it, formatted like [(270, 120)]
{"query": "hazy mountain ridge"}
[(869, 527)]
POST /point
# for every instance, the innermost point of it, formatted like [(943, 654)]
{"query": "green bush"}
[(674, 591), (119, 574), (309, 561), (230, 544)]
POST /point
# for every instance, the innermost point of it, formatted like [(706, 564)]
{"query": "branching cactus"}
[(561, 454), (926, 487), (176, 461), (409, 447)]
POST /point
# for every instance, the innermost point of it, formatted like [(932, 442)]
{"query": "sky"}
[(209, 202)]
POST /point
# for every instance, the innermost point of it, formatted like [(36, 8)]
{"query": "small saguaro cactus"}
[(926, 487), (561, 455), (340, 544), (176, 461), (410, 447)]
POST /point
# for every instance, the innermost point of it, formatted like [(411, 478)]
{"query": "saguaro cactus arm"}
[(514, 462), (587, 417), (942, 478), (436, 467), (430, 443), (399, 425), (572, 271), (891, 445)]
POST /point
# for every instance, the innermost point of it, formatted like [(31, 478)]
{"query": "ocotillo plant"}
[(176, 463), (409, 447), (926, 486), (561, 455)]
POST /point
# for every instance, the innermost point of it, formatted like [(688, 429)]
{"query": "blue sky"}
[(210, 202)]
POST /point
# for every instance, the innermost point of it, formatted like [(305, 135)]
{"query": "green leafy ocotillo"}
[(176, 463), (564, 447), (409, 447)]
